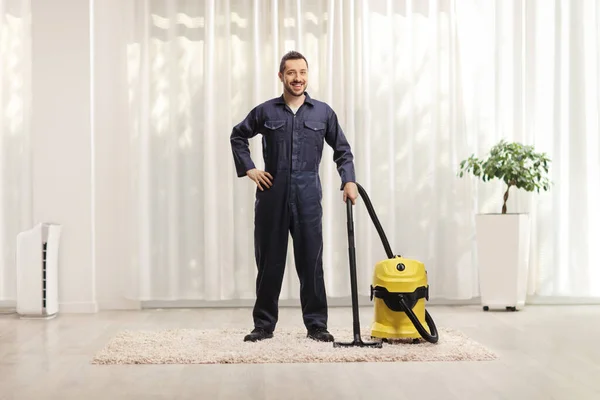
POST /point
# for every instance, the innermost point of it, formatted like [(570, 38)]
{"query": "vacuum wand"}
[(353, 279), (354, 287)]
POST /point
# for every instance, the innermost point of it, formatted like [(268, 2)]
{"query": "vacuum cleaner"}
[(399, 287)]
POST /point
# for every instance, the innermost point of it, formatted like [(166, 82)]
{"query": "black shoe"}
[(258, 334), (320, 334)]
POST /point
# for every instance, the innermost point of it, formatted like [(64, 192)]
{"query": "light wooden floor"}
[(546, 352)]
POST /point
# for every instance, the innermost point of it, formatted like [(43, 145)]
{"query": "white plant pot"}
[(503, 260)]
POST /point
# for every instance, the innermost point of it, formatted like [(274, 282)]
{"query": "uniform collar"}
[(307, 99)]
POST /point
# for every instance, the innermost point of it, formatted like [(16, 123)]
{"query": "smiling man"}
[(294, 128)]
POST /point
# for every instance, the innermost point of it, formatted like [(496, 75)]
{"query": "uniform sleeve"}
[(342, 152), (239, 143)]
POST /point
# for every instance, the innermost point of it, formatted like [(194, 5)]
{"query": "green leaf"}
[(513, 163)]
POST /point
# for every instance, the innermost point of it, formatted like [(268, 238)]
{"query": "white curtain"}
[(15, 113), (417, 85)]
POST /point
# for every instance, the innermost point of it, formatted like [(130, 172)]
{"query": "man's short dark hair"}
[(291, 55)]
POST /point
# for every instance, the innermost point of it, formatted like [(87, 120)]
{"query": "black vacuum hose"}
[(371, 210), (430, 337)]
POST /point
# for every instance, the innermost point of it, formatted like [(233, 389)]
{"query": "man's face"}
[(294, 77)]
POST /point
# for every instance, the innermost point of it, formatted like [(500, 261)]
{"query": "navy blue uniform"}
[(292, 148)]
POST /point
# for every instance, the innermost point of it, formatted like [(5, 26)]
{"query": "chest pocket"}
[(274, 149), (275, 129), (315, 130), (274, 124)]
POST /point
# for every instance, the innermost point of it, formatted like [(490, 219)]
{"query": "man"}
[(294, 128)]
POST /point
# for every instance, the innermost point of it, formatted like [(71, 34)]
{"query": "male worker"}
[(288, 198)]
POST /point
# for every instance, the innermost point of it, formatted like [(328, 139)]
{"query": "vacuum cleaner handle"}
[(373, 215)]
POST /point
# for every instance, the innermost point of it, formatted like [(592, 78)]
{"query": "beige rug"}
[(193, 346)]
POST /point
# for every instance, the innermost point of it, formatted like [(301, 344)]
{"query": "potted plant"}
[(503, 238)]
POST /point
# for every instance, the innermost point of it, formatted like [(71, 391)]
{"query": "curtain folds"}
[(15, 149), (417, 85)]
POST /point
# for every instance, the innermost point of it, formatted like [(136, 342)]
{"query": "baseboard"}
[(87, 307), (8, 304), (562, 301), (119, 305), (91, 307), (8, 307), (454, 302), (242, 303), (363, 301)]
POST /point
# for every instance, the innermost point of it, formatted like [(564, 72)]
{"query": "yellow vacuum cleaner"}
[(399, 287)]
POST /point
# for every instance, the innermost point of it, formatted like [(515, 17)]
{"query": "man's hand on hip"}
[(350, 192), (261, 178)]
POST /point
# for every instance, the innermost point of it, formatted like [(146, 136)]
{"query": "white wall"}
[(88, 198), (61, 141)]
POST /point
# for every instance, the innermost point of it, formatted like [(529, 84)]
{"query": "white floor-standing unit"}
[(37, 271), (503, 260)]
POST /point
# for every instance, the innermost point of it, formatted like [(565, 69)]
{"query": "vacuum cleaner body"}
[(395, 280)]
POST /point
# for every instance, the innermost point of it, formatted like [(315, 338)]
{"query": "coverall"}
[(292, 147)]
